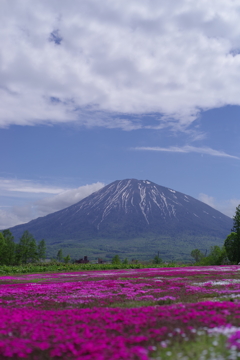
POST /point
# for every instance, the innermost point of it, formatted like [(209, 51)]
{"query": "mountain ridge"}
[(131, 209)]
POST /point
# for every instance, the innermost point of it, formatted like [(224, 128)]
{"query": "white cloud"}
[(66, 198), (9, 219), (209, 200), (26, 186), (227, 207), (188, 149), (15, 215), (88, 62)]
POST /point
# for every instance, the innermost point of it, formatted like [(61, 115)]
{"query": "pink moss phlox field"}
[(69, 315), (104, 333), (234, 340), (82, 292), (101, 288)]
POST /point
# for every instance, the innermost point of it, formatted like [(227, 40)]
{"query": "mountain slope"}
[(131, 209)]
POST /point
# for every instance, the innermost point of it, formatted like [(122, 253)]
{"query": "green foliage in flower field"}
[(59, 266), (203, 347)]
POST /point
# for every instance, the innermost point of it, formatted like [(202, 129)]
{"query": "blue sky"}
[(94, 92)]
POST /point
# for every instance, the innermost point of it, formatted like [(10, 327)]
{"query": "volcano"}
[(129, 213)]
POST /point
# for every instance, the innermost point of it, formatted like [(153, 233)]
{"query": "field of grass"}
[(55, 266), (137, 314)]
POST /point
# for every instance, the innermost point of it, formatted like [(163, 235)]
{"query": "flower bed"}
[(118, 314), (104, 333), (106, 288)]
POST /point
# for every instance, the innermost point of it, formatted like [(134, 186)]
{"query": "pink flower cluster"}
[(84, 292), (103, 288), (77, 315), (104, 333), (234, 340)]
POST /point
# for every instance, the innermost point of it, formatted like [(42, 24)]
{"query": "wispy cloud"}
[(188, 149), (86, 61), (15, 215), (26, 186)]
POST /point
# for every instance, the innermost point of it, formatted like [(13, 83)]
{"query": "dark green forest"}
[(26, 251)]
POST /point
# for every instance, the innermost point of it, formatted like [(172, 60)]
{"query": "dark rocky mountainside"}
[(131, 209)]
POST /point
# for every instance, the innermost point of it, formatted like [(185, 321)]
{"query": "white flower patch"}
[(218, 282)]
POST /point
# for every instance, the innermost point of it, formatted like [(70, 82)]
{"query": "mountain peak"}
[(129, 209)]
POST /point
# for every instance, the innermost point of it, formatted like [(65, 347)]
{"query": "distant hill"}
[(134, 218)]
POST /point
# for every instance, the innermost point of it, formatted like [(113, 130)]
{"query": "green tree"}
[(2, 249), (67, 259), (125, 261), (197, 255), (236, 220), (232, 242), (116, 260), (157, 260), (231, 246), (217, 256), (60, 255), (42, 249), (26, 249), (10, 247)]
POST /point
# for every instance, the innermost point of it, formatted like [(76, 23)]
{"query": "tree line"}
[(228, 253), (26, 251)]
